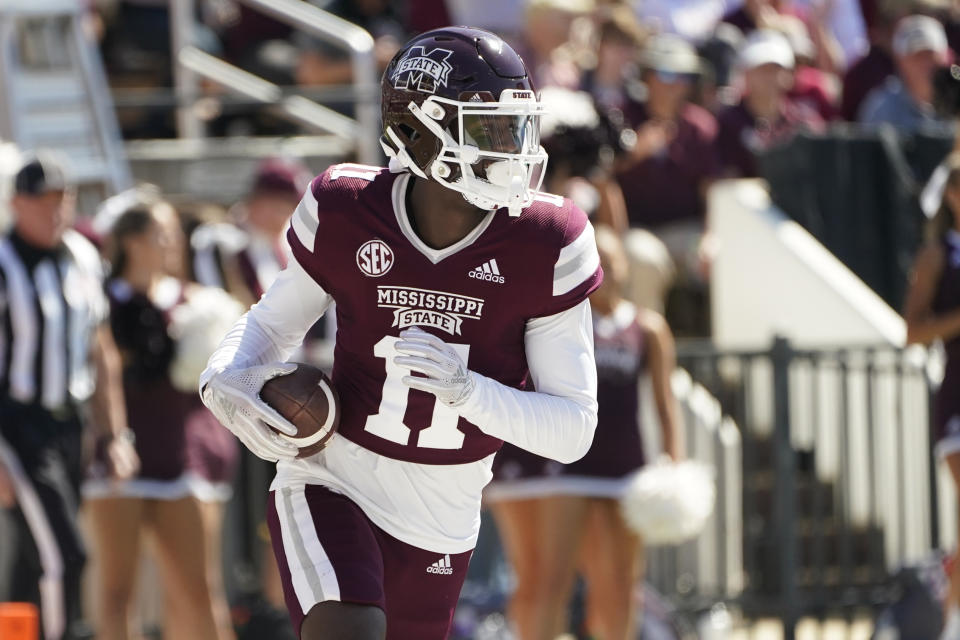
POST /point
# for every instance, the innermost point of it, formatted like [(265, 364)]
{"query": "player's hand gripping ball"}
[(308, 400)]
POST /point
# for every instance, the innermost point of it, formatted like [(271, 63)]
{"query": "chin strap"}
[(400, 160)]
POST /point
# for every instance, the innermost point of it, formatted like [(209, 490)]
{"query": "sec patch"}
[(374, 258)]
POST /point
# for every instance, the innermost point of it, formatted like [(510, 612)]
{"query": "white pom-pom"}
[(669, 503), (197, 326)]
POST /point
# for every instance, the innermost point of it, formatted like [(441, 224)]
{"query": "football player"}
[(459, 289)]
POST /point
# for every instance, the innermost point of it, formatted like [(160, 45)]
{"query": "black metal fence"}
[(838, 480), (856, 190)]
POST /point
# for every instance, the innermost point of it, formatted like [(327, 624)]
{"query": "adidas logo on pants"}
[(441, 567)]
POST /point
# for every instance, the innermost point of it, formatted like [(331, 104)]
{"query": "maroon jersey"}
[(352, 234)]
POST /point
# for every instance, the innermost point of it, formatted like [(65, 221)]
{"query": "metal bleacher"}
[(196, 166), (55, 95)]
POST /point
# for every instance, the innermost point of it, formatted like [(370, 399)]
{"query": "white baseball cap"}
[(670, 53), (765, 46), (919, 33)]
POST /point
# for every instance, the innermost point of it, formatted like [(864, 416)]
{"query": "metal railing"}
[(190, 64), (709, 568), (838, 475), (54, 93), (294, 107)]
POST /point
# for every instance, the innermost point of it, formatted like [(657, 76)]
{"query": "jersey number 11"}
[(388, 421)]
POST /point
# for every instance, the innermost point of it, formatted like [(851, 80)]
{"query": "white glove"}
[(447, 375), (234, 398)]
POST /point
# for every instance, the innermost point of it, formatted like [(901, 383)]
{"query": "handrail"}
[(358, 42), (314, 21), (298, 108)]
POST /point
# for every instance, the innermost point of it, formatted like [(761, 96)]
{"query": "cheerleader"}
[(187, 458), (933, 313), (557, 519)]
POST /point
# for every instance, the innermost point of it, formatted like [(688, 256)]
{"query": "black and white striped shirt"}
[(51, 302)]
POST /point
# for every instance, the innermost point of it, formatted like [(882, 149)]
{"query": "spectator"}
[(323, 64), (933, 313), (692, 20), (871, 70), (244, 260), (905, 100), (187, 460), (620, 38), (556, 519), (60, 355), (250, 41), (136, 53), (664, 177), (581, 142), (772, 14), (847, 25), (764, 115), (719, 56), (550, 43), (812, 86), (503, 17)]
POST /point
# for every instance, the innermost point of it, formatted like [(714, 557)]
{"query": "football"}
[(308, 400)]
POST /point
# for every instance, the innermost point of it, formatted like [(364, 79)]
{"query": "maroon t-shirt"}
[(741, 136), (665, 188), (861, 78), (360, 248), (811, 87)]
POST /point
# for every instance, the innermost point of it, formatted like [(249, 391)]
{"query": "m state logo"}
[(374, 258), (423, 307), (422, 71)]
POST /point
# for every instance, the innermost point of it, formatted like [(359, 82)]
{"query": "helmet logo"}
[(422, 71)]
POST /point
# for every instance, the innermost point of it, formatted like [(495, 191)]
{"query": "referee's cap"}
[(41, 172)]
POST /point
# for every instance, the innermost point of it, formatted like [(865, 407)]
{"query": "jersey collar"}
[(398, 195)]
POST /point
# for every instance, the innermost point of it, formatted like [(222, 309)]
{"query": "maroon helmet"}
[(459, 108)]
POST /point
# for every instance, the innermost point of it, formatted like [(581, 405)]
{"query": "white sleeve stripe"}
[(584, 270), (561, 271), (304, 220), (583, 241), (577, 262)]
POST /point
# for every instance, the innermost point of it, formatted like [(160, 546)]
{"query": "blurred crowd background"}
[(670, 96), (845, 108)]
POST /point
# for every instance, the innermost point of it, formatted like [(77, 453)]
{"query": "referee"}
[(56, 353)]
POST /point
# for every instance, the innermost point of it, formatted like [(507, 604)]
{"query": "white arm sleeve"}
[(274, 327), (558, 419)]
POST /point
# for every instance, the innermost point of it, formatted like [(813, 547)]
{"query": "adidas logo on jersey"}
[(487, 271), (441, 567)]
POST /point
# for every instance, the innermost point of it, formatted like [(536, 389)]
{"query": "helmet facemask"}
[(489, 151)]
